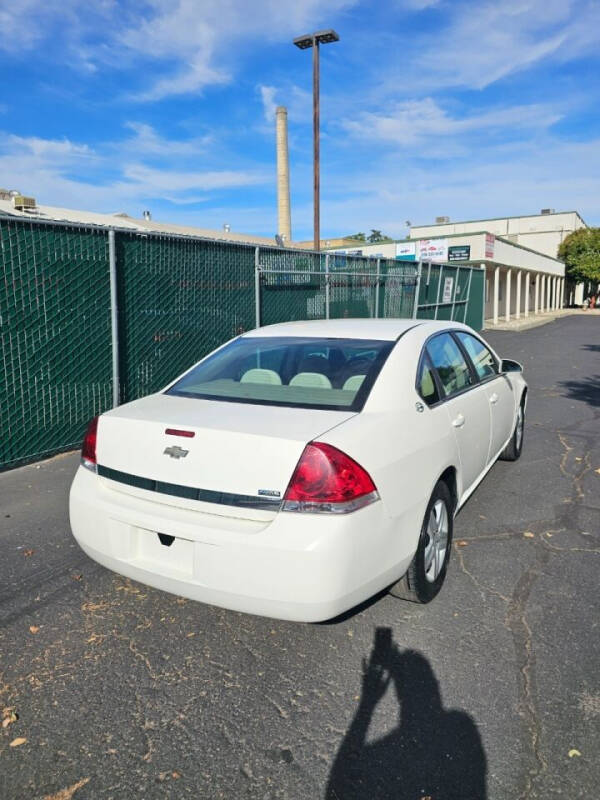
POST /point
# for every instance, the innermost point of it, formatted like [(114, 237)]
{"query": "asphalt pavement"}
[(491, 691)]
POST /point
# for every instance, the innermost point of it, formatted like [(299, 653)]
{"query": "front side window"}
[(303, 372), (484, 362), (449, 364)]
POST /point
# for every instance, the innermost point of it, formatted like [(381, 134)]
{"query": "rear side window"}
[(426, 384), (449, 363), (484, 362)]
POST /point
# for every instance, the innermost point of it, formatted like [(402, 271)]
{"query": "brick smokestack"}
[(284, 220)]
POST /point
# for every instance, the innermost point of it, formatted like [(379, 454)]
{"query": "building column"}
[(562, 293), (518, 298), (507, 304), (536, 294), (543, 299), (552, 293), (496, 293), (549, 301), (527, 276)]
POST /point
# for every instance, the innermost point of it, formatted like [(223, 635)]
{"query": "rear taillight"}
[(88, 450), (328, 481)]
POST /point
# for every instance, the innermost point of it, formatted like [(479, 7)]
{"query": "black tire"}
[(513, 450), (416, 586)]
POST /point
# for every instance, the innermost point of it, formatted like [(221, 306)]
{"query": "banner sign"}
[(460, 252), (489, 245), (406, 251), (433, 250)]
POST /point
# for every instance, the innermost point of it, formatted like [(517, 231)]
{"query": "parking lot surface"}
[(491, 691)]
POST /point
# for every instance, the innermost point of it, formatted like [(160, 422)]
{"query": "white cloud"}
[(147, 142), (267, 96), (57, 149), (64, 173), (193, 43), (519, 179), (485, 42), (298, 102), (419, 5), (159, 181), (411, 122)]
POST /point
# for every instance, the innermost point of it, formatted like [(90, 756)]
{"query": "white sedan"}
[(301, 468)]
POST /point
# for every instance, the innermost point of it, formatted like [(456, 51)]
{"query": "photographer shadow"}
[(432, 753)]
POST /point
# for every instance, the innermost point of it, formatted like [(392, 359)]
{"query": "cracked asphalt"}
[(491, 691)]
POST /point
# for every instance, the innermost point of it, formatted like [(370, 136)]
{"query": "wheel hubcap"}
[(519, 436), (437, 540)]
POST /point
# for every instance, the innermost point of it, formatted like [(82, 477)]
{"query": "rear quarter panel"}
[(404, 450)]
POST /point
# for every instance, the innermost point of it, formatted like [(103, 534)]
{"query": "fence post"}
[(257, 286), (456, 286), (418, 289), (469, 294), (114, 316), (377, 289), (437, 300), (327, 298)]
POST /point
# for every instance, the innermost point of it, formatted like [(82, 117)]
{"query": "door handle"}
[(493, 398), (459, 421)]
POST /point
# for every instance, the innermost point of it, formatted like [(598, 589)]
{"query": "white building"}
[(541, 232)]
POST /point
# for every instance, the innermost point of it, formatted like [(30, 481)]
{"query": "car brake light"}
[(177, 432), (328, 481), (88, 450)]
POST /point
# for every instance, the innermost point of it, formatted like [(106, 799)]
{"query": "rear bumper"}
[(304, 567)]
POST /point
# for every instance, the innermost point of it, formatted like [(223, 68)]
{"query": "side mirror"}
[(507, 365)]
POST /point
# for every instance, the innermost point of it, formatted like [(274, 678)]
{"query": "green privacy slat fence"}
[(55, 353), (178, 298)]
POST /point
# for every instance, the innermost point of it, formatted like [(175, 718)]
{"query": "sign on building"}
[(459, 252), (489, 245), (406, 251), (433, 250)]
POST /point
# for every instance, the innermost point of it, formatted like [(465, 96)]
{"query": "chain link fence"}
[(333, 286), (91, 317)]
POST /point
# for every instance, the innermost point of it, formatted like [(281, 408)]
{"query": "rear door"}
[(466, 404), (498, 388)]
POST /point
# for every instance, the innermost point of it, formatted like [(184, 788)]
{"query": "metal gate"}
[(334, 290)]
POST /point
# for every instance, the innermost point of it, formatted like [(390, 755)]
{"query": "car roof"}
[(383, 329)]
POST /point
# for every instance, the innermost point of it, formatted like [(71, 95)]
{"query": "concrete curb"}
[(535, 322)]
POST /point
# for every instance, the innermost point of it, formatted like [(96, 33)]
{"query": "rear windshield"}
[(289, 371)]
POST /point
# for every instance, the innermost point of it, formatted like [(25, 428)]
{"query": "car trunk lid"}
[(239, 457)]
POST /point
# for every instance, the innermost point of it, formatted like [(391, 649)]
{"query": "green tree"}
[(581, 253), (360, 237), (377, 237)]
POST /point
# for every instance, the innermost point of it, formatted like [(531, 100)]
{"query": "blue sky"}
[(428, 107)]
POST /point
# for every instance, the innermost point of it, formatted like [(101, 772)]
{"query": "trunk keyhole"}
[(166, 539)]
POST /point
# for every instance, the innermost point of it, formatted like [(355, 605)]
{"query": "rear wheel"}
[(513, 449), (427, 570)]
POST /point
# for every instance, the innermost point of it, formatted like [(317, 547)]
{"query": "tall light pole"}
[(304, 42)]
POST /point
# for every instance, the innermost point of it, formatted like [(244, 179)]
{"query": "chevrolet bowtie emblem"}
[(175, 451)]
